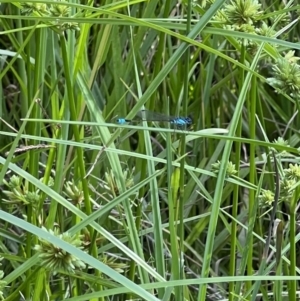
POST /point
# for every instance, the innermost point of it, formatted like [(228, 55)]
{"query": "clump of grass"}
[(144, 210)]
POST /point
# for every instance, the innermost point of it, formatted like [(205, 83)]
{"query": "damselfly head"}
[(189, 120), (122, 121)]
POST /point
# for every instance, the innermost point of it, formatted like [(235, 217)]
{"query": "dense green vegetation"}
[(96, 210)]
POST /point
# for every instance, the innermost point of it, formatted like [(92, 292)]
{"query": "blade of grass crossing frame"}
[(172, 213), (186, 68)]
